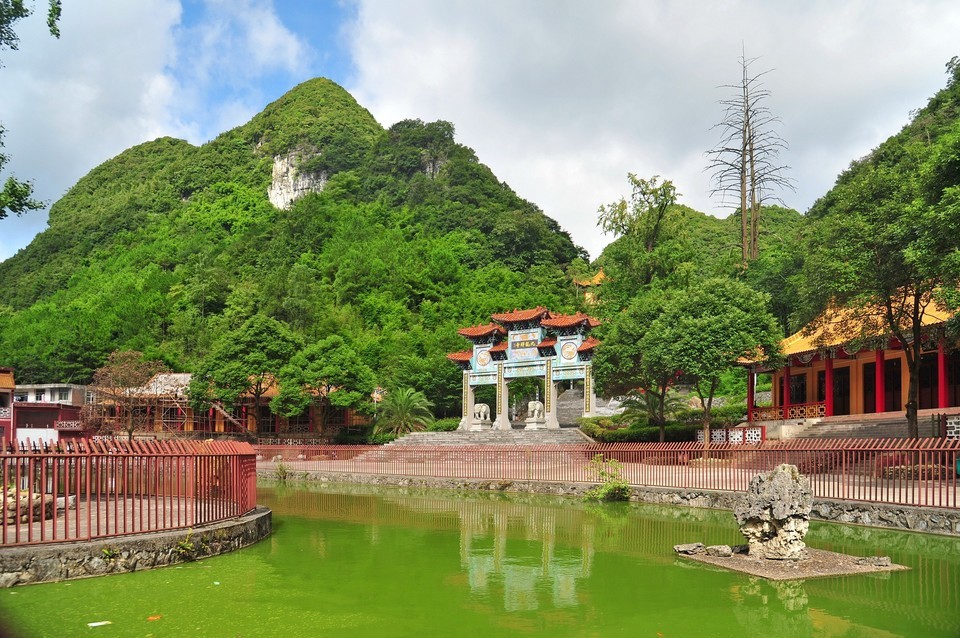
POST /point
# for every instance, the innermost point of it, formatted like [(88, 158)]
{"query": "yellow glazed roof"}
[(838, 326)]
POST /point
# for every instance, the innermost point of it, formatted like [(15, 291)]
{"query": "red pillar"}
[(881, 390), (943, 401), (828, 382), (751, 393), (786, 390)]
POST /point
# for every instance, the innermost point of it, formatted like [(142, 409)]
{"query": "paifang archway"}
[(525, 343)]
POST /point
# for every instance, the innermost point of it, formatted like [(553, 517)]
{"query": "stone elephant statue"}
[(535, 410), (481, 411)]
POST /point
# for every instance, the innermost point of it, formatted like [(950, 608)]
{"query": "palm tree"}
[(404, 410)]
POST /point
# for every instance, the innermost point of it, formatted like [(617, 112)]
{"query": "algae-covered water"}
[(352, 561)]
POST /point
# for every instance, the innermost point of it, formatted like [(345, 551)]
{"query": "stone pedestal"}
[(535, 424), (476, 425)]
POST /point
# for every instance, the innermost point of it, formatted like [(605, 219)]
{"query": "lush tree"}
[(123, 384), (622, 366), (403, 410), (650, 245), (327, 373), (744, 163), (243, 362), (706, 330)]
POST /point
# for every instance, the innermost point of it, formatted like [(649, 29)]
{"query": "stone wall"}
[(918, 519), (67, 561)]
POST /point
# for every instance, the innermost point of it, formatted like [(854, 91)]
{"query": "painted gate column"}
[(589, 398), (881, 391), (469, 399), (751, 393), (550, 398), (943, 399), (502, 421), (828, 382)]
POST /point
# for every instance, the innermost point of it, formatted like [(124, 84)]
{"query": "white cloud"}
[(71, 103), (563, 98)]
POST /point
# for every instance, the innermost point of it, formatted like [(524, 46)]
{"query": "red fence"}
[(919, 472), (84, 490)]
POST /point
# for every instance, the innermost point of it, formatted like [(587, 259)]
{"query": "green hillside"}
[(168, 246)]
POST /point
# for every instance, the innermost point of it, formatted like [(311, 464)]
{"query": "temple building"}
[(835, 368), (525, 343)]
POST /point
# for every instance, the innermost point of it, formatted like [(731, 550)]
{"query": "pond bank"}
[(929, 520), (28, 564)]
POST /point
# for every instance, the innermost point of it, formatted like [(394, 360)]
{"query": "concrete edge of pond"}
[(929, 520), (819, 564), (28, 564)]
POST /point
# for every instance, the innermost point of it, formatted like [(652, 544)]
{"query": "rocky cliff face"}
[(288, 184)]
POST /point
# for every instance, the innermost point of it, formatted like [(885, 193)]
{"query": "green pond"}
[(354, 561)]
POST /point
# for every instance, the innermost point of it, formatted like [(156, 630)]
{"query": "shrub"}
[(673, 432), (444, 425), (352, 436), (381, 438), (612, 486), (723, 416)]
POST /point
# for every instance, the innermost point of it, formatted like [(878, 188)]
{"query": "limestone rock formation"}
[(289, 184), (774, 516)]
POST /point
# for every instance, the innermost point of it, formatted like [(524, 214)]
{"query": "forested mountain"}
[(168, 246)]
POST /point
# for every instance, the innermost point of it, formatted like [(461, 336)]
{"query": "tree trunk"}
[(913, 387), (754, 201), (744, 234)]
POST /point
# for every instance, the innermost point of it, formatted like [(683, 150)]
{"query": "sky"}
[(560, 98)]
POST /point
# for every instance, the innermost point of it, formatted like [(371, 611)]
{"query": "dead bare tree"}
[(121, 386), (745, 163)]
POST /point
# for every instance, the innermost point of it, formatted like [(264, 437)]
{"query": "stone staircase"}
[(570, 406), (866, 426)]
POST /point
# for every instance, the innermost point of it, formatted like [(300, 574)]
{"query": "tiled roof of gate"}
[(568, 321), (588, 344), (521, 315), (481, 331), (463, 355), (500, 347)]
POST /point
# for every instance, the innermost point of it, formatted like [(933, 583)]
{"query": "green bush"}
[(381, 438), (444, 425), (612, 487), (720, 417), (352, 436), (673, 432)]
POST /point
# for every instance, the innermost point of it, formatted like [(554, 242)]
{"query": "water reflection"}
[(522, 575), (531, 554)]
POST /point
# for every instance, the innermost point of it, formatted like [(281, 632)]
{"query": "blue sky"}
[(561, 98)]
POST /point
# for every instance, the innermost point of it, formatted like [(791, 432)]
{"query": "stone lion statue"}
[(535, 410), (481, 411)]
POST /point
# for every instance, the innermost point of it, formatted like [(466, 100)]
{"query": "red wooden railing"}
[(793, 411), (84, 490), (920, 472)]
